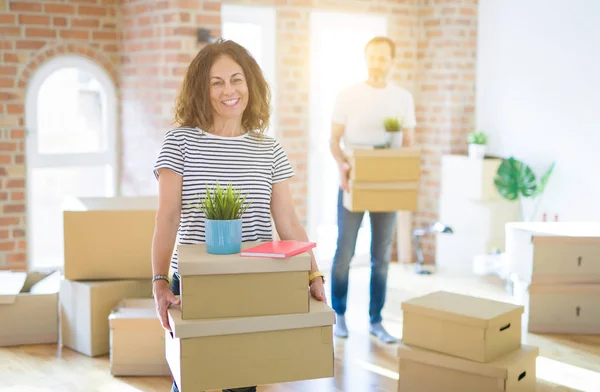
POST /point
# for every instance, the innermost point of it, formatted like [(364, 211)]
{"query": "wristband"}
[(315, 275)]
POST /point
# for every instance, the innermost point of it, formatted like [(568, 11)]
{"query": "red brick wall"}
[(31, 33), (146, 45), (445, 94)]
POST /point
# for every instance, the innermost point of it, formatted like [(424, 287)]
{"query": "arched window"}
[(71, 147)]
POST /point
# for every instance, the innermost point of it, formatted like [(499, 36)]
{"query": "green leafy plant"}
[(222, 203), (478, 137), (515, 180), (392, 124)]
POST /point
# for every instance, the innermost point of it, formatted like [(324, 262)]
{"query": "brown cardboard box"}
[(563, 308), (381, 196), (554, 252), (246, 351), (468, 327), (472, 179), (28, 307), (427, 371), (137, 340), (221, 286), (109, 238), (384, 165), (84, 311)]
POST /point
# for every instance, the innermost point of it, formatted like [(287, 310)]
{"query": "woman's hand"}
[(317, 289), (163, 298)]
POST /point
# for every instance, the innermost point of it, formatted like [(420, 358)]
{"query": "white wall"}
[(538, 94)]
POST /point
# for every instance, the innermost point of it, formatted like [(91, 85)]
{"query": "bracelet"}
[(160, 277), (314, 275)]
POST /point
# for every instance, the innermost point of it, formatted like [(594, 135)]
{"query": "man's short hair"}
[(381, 40)]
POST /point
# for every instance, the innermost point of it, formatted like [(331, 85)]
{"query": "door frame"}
[(33, 159)]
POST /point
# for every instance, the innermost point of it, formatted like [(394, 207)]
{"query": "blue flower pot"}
[(223, 237)]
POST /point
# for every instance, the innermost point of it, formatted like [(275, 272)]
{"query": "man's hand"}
[(345, 175)]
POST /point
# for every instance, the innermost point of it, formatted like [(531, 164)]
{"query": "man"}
[(358, 119)]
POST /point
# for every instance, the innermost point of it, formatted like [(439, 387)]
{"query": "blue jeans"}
[(383, 227), (175, 290)]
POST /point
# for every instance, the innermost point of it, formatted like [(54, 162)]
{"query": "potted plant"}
[(515, 180), (223, 208), (393, 127), (477, 144)]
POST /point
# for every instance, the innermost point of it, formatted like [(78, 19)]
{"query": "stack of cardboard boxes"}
[(383, 180), (246, 321), (107, 259), (556, 271), (459, 343)]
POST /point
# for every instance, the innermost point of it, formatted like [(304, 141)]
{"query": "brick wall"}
[(146, 45), (31, 33), (445, 94)]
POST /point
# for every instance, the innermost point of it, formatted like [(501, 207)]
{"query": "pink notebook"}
[(278, 249)]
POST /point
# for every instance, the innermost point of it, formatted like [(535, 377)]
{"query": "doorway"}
[(71, 148), (337, 42)]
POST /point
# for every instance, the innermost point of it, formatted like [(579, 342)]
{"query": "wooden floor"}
[(566, 363)]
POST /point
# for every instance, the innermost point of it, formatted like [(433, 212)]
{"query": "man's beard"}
[(376, 73)]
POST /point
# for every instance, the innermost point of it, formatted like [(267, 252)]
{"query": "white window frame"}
[(36, 160), (266, 18)]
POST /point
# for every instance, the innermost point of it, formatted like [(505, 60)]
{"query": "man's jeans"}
[(383, 225), (175, 290)]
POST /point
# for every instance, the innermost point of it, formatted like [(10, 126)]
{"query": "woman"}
[(223, 110)]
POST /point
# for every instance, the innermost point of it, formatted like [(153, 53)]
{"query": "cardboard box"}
[(384, 164), (562, 308), (467, 327), (28, 307), (109, 238), (247, 351), (137, 340), (554, 252), (221, 286), (427, 371), (84, 311), (472, 179), (382, 196)]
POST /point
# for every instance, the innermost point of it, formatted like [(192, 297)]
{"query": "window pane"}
[(49, 187), (71, 113)]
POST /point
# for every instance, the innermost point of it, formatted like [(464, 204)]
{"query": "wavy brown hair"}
[(193, 107)]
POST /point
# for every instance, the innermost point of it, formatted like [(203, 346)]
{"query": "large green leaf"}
[(515, 179), (544, 180)]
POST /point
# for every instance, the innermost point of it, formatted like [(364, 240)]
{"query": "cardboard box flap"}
[(11, 284), (116, 203), (463, 309), (44, 284), (194, 260), (133, 311), (498, 368), (560, 232), (320, 314), (366, 151), (384, 185)]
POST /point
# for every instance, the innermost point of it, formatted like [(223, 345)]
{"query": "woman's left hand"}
[(317, 289)]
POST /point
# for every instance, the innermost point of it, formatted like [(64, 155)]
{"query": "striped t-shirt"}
[(250, 162)]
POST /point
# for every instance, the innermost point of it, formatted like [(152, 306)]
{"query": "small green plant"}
[(392, 124), (222, 203), (478, 137)]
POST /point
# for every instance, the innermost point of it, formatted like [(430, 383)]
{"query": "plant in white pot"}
[(393, 127), (477, 144), (223, 208)]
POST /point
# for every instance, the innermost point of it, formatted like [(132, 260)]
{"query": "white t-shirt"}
[(362, 108)]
